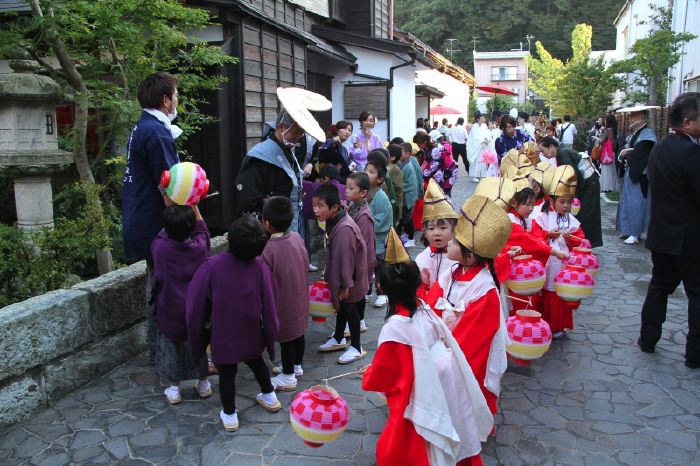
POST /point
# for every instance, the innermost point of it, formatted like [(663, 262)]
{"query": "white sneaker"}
[(312, 267), (631, 240), (284, 382), (333, 345), (381, 301), (351, 355), (269, 401), (409, 244), (346, 333), (298, 371), (368, 296), (172, 393), (230, 421), (203, 388), (363, 326)]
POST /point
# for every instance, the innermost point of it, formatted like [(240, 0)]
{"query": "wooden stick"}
[(342, 375), (526, 301)]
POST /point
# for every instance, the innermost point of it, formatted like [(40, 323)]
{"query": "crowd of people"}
[(368, 198)]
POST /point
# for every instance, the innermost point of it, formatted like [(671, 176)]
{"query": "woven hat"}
[(483, 227), (543, 173), (435, 203), (515, 160), (563, 182), (395, 251), (520, 180), (532, 152), (498, 190), (298, 103)]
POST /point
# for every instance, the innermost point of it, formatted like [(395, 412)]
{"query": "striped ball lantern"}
[(320, 302), (527, 276), (575, 206), (530, 336), (584, 257), (185, 183), (573, 283), (319, 415)]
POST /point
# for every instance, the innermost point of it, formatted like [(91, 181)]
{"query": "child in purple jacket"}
[(177, 251)]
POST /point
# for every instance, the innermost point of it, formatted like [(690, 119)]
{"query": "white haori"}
[(435, 263), (548, 222)]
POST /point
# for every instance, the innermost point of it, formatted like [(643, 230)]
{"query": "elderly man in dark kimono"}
[(587, 191)]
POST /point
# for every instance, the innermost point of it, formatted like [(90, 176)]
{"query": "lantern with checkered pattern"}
[(573, 283), (575, 206), (530, 336), (320, 303), (185, 183), (319, 415), (526, 276), (584, 257)]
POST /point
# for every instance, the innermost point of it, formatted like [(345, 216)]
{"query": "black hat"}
[(477, 114), (523, 115)]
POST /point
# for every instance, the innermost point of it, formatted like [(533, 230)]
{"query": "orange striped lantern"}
[(319, 415), (320, 302), (526, 276)]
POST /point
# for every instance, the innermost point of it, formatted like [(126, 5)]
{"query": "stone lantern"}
[(28, 142)]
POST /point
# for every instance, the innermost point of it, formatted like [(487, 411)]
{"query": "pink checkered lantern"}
[(319, 415), (584, 257), (320, 303), (575, 206), (573, 283), (526, 276), (530, 336)]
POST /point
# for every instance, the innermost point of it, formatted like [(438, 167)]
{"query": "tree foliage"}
[(581, 86), (652, 57)]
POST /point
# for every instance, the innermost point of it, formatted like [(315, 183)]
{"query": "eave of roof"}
[(344, 37), (621, 12), (426, 90)]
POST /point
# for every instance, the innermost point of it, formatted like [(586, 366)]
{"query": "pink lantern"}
[(575, 206), (526, 276), (320, 302), (585, 243), (185, 183), (319, 415), (573, 283), (530, 336), (584, 257)]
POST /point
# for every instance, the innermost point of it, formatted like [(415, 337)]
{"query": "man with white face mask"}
[(270, 168)]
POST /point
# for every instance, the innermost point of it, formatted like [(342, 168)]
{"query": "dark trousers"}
[(292, 354), (667, 273), (406, 224), (461, 149), (348, 315), (360, 306), (227, 381)]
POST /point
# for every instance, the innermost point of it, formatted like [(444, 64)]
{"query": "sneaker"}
[(298, 371), (351, 355), (312, 267), (409, 244), (333, 345), (172, 393), (363, 326), (368, 296), (631, 240), (203, 388), (230, 420), (381, 301), (284, 382), (269, 401), (558, 334)]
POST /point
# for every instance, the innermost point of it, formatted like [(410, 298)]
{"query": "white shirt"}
[(568, 131), (458, 135)]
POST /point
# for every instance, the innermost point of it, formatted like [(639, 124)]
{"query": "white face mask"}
[(290, 145), (172, 116)]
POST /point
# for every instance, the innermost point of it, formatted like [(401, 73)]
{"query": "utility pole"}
[(451, 49), (475, 39), (529, 38)]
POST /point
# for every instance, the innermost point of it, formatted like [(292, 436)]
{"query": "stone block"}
[(117, 299), (79, 368), (219, 244), (42, 328), (18, 400)]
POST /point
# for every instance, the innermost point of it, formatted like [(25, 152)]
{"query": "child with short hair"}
[(286, 256), (177, 252), (331, 174), (232, 303), (411, 184), (356, 187), (396, 176), (379, 204), (346, 271)]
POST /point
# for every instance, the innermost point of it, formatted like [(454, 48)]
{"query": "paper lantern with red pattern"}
[(575, 206), (530, 336), (584, 257), (320, 302), (526, 276), (185, 183), (573, 283), (319, 415)]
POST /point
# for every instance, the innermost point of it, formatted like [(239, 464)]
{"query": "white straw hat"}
[(298, 103)]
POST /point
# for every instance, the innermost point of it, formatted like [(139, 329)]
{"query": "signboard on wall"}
[(368, 97)]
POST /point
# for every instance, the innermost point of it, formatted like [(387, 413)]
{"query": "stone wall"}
[(54, 343)]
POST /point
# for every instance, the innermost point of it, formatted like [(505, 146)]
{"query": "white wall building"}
[(685, 76), (508, 69)]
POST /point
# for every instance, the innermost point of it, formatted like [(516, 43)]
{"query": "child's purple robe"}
[(346, 259), (365, 222), (240, 299)]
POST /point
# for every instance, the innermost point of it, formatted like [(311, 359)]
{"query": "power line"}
[(451, 49)]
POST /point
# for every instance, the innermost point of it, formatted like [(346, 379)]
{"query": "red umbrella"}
[(496, 89), (442, 110)]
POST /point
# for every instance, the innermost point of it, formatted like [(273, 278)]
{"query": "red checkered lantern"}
[(526, 276), (575, 206), (584, 257), (319, 415), (530, 336), (185, 183), (573, 283), (320, 303)]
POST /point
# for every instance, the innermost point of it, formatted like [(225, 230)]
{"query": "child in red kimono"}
[(421, 370), (467, 295), (561, 229)]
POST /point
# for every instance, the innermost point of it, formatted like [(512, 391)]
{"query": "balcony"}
[(502, 77)]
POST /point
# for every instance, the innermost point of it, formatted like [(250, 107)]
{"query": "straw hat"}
[(499, 190), (563, 182), (436, 204), (520, 180), (638, 108), (532, 152), (482, 227), (395, 251), (515, 160), (298, 103), (543, 173)]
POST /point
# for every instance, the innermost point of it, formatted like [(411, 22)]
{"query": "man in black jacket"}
[(674, 229)]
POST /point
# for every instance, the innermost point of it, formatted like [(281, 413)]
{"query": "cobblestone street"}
[(593, 399)]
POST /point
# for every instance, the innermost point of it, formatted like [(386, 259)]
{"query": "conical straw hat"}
[(435, 203), (543, 173), (483, 227), (515, 160), (499, 190), (532, 152), (564, 182), (297, 103), (395, 251)]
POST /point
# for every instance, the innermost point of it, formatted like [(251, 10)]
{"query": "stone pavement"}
[(594, 398)]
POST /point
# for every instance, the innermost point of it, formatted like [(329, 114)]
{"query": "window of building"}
[(504, 73), (693, 85)]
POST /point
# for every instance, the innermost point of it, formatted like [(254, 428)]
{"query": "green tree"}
[(581, 87), (652, 57), (103, 50)]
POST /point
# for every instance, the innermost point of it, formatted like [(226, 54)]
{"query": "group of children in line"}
[(242, 301)]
